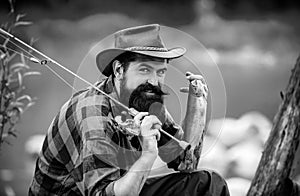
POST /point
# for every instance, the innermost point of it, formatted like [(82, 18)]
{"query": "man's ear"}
[(118, 69)]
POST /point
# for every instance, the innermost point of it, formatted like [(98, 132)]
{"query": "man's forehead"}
[(155, 63), (149, 63)]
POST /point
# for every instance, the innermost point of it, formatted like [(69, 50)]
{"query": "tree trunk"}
[(277, 158)]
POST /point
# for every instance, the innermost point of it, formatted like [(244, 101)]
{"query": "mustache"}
[(147, 87), (142, 102)]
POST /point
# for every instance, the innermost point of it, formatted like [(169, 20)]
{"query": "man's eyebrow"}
[(145, 65), (163, 69), (150, 66)]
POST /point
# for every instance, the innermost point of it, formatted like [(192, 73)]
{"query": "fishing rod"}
[(47, 59)]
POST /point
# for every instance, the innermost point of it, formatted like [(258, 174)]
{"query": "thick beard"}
[(124, 92), (142, 102), (138, 99)]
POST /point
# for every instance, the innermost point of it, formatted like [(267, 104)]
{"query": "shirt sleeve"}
[(169, 150), (99, 151)]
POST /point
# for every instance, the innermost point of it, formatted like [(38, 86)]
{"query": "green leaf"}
[(27, 106), (19, 65), (22, 23), (14, 115), (4, 136), (33, 40), (12, 10), (5, 43), (19, 16), (23, 58), (2, 55), (16, 103), (11, 57), (12, 133), (13, 95), (18, 109), (27, 97), (30, 104), (17, 70), (31, 73), (20, 79)]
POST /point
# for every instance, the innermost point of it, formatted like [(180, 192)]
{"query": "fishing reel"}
[(127, 124)]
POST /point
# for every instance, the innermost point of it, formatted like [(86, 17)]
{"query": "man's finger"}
[(156, 126), (153, 133), (206, 89), (157, 134), (195, 77), (188, 73), (184, 89), (152, 119), (139, 117), (149, 121)]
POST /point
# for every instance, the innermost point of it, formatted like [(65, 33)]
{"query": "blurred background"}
[(254, 43)]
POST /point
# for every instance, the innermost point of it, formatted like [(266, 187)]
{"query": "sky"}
[(245, 60)]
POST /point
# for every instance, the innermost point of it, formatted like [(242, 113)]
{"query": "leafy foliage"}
[(13, 69)]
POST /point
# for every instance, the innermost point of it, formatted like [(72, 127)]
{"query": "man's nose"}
[(153, 81)]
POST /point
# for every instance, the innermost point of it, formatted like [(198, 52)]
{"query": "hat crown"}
[(143, 40), (141, 36)]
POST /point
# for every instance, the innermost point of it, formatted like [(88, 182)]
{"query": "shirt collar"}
[(109, 88)]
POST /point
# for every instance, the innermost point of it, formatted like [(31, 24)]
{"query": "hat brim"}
[(104, 58)]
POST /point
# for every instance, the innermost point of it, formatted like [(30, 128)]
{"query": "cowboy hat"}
[(143, 40)]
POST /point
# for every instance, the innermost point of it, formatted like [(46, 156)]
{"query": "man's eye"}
[(161, 72), (144, 70)]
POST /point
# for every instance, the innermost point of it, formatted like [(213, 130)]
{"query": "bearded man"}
[(88, 152)]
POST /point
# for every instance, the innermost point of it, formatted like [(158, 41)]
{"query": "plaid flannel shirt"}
[(85, 151)]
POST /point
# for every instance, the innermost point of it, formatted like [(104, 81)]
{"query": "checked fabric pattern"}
[(84, 152)]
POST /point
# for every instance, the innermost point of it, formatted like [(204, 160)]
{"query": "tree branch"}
[(277, 159)]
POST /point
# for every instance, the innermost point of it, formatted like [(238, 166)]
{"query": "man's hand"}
[(149, 134), (194, 122), (133, 181), (198, 84)]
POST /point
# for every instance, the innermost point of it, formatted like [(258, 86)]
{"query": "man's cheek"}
[(134, 81), (131, 86)]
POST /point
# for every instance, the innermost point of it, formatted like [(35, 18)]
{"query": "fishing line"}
[(64, 68), (132, 111), (60, 77), (9, 40), (35, 60), (19, 53)]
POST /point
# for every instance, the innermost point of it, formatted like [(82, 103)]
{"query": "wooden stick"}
[(277, 158)]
